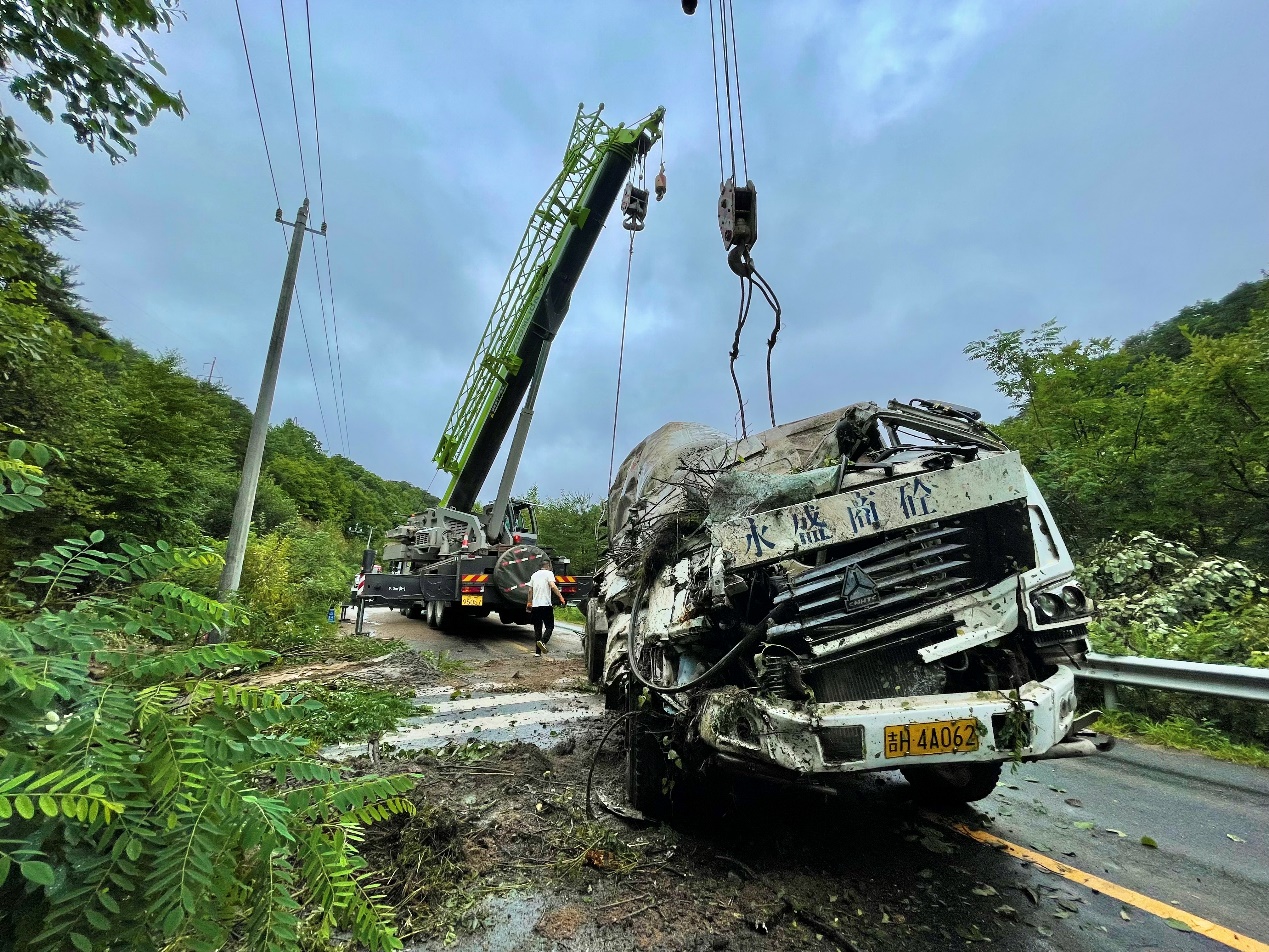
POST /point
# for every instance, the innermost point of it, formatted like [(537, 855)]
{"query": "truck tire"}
[(952, 785), (448, 617), (432, 620), (646, 762), (594, 646)]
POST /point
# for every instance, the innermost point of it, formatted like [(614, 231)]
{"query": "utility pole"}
[(236, 548)]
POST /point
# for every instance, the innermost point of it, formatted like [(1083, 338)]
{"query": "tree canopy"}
[(1151, 436), (89, 59)]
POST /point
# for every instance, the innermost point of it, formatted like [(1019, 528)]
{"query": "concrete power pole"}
[(241, 526)]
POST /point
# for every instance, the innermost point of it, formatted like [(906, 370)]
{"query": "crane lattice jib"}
[(563, 209)]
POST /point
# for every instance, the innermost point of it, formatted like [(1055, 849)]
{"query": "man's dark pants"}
[(543, 616)]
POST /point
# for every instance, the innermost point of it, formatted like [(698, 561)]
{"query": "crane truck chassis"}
[(868, 589), (442, 568)]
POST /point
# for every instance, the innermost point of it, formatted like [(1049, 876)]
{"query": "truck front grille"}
[(870, 581), (897, 574)]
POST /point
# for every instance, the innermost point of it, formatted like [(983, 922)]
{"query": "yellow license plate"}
[(476, 600), (932, 737)]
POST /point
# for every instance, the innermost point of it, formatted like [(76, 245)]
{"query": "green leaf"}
[(5, 864), (37, 872), (1178, 925), (1148, 841), (81, 942), (172, 921), (17, 449), (96, 536), (48, 805), (22, 803), (1083, 825)]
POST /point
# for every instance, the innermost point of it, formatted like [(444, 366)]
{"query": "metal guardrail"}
[(1228, 681)]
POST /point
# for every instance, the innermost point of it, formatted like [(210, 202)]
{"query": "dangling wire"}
[(769, 293), (746, 298)]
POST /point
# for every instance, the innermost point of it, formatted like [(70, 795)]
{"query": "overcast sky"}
[(927, 172)]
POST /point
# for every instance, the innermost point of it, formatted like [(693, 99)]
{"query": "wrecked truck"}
[(867, 589)]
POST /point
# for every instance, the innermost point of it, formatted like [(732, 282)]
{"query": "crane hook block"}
[(738, 214), (660, 183), (689, 6), (634, 207)]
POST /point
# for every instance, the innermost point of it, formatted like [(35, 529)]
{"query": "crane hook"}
[(660, 183)]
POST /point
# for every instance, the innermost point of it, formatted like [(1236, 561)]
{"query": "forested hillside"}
[(1154, 456), (149, 451)]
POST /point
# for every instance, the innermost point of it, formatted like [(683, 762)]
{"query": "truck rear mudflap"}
[(886, 734)]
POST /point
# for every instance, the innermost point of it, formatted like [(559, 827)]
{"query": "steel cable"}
[(621, 359), (740, 109)]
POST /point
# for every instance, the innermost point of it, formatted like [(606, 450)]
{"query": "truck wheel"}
[(646, 762), (594, 645), (447, 616), (953, 784), (430, 614)]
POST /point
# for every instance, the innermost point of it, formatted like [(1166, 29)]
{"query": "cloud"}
[(927, 172), (878, 61)]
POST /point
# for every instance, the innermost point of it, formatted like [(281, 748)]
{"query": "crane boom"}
[(535, 295)]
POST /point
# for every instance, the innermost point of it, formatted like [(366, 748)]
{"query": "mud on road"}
[(503, 854)]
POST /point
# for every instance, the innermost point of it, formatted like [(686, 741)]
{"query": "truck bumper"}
[(851, 736)]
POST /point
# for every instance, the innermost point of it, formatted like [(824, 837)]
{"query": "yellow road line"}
[(1163, 910), (520, 647)]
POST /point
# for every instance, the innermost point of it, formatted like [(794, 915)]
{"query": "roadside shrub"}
[(1160, 599), (146, 804)]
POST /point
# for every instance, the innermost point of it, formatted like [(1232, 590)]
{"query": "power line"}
[(299, 142), (321, 297), (295, 109), (321, 185), (259, 115), (246, 52), (308, 351)]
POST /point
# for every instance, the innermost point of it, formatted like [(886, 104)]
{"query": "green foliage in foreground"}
[(1183, 733), (145, 804)]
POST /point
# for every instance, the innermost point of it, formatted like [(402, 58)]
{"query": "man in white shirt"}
[(542, 592)]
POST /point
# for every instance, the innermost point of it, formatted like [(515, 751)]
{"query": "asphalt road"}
[(477, 640), (1207, 817), (1208, 870)]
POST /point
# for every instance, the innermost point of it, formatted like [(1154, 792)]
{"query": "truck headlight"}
[(1058, 604), (1048, 606), (1073, 598)]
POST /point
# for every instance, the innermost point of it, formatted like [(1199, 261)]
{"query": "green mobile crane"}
[(449, 561)]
